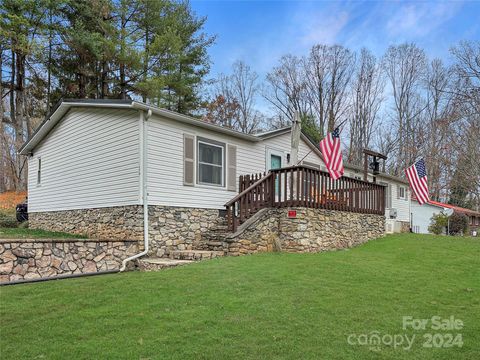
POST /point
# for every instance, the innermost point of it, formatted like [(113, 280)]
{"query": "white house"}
[(91, 160)]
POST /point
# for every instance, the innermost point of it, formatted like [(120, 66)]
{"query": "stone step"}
[(216, 245), (195, 254), (217, 228), (214, 237), (155, 264)]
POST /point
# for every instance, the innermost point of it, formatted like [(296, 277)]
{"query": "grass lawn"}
[(19, 233), (277, 305)]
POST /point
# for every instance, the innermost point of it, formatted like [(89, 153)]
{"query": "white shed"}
[(422, 215)]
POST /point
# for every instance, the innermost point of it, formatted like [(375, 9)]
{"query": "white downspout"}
[(144, 193)]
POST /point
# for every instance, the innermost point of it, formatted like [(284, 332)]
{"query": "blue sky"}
[(259, 32)]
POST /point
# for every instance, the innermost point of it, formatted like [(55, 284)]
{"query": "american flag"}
[(417, 177), (332, 154)]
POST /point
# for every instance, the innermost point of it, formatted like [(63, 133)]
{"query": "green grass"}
[(277, 305), (20, 233)]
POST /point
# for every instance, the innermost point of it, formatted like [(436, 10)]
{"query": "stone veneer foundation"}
[(312, 230), (174, 228), (27, 259), (109, 223), (170, 228)]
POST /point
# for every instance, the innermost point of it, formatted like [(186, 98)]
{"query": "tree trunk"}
[(145, 65), (123, 90), (103, 82), (20, 121), (49, 66), (81, 78), (2, 143)]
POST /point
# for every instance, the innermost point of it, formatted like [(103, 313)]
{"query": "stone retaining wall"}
[(170, 228), (26, 259), (109, 223), (175, 228), (312, 230)]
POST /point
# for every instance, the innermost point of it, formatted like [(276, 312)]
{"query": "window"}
[(39, 171), (401, 192), (211, 163)]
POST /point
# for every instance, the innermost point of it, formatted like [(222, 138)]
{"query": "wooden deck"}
[(302, 186)]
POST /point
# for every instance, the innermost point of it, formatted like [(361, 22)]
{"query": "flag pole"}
[(343, 122)]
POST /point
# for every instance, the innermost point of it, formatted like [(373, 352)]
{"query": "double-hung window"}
[(211, 162)]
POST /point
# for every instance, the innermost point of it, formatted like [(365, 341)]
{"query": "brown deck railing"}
[(302, 186)]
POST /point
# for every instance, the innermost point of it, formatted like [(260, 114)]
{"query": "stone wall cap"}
[(61, 240)]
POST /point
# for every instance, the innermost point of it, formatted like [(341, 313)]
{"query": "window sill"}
[(211, 187)]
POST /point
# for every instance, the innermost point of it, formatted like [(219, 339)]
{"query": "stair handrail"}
[(250, 188), (303, 186)]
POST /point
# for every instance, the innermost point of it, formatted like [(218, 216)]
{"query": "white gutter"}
[(143, 179), (193, 121)]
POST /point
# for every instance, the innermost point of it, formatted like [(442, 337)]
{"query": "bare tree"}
[(286, 89), (440, 119), (328, 71), (467, 70), (465, 181), (404, 66), (367, 97), (386, 142), (246, 89), (242, 89)]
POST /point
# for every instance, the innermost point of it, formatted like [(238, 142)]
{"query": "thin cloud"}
[(322, 29), (420, 19)]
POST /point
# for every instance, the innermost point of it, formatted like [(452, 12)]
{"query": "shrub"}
[(438, 223), (7, 221), (23, 225), (458, 224)]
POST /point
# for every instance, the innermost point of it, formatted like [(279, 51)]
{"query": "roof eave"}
[(192, 121), (48, 124), (273, 133)]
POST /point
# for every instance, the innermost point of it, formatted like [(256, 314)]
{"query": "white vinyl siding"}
[(92, 159), (422, 215), (305, 153), (39, 170), (89, 160), (165, 163), (388, 194), (402, 205), (393, 200)]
